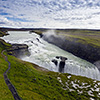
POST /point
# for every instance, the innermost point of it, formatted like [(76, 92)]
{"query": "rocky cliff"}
[(19, 50), (84, 50)]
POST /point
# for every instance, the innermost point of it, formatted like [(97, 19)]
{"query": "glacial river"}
[(42, 54)]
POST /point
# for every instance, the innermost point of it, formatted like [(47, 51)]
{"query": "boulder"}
[(19, 46), (60, 57), (55, 62), (61, 66)]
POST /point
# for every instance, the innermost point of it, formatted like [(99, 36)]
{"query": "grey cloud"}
[(2, 22)]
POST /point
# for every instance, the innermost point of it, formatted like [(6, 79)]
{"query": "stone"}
[(97, 64), (55, 62), (61, 66), (61, 57)]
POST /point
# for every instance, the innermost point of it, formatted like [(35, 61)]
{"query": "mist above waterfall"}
[(43, 53), (50, 35), (53, 37)]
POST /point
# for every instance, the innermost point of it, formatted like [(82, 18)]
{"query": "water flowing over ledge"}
[(42, 53)]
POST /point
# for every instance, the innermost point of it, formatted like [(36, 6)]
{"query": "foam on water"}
[(42, 54)]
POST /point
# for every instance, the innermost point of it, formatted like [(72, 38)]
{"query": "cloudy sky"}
[(50, 13)]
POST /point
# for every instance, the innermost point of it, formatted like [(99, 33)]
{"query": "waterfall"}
[(47, 55)]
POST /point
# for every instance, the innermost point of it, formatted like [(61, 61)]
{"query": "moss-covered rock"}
[(2, 33)]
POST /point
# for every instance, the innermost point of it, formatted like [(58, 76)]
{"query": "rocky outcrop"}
[(3, 33), (55, 62), (62, 58), (19, 50), (97, 63), (61, 63), (19, 46), (61, 66)]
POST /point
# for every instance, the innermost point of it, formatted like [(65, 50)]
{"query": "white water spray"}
[(42, 54)]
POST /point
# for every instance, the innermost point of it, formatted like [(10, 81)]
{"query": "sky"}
[(84, 14)]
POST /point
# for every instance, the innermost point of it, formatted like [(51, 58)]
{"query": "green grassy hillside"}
[(5, 93), (35, 83), (91, 37)]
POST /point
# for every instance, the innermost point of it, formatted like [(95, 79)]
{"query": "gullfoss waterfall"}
[(50, 56)]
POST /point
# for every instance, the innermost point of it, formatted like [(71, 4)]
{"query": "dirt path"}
[(7, 81)]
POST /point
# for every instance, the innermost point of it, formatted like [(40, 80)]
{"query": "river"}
[(42, 54)]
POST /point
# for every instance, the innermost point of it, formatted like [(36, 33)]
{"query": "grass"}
[(91, 37), (43, 85), (2, 33), (26, 78), (32, 83), (39, 31), (5, 93)]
